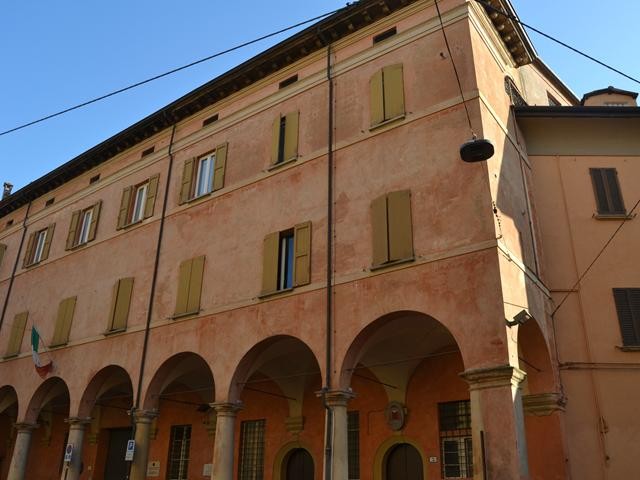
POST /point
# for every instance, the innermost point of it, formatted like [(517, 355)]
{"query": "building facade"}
[(289, 273)]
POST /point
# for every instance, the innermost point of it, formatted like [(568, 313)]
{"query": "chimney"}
[(6, 190)]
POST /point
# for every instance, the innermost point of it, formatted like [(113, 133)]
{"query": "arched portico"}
[(8, 418)]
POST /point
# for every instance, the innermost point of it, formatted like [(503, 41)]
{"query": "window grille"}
[(252, 450), (353, 444), (514, 93), (178, 463), (455, 439)]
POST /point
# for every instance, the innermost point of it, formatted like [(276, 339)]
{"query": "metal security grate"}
[(455, 439), (178, 463), (353, 444), (252, 450)]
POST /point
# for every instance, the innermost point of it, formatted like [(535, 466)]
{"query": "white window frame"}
[(41, 238), (85, 226), (204, 176), (139, 200)]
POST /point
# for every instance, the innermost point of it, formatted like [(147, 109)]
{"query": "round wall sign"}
[(395, 414)]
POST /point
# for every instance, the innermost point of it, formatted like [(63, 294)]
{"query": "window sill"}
[(628, 348), (58, 345), (114, 332), (386, 122), (78, 246), (132, 224), (613, 216), (275, 166), (9, 357), (33, 264), (392, 264), (275, 292), (178, 316)]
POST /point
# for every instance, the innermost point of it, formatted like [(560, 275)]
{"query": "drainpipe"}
[(15, 265), (154, 280)]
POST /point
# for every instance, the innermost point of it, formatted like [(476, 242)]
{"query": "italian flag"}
[(42, 369)]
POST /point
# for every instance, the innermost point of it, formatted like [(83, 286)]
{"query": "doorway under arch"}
[(299, 465), (403, 462)]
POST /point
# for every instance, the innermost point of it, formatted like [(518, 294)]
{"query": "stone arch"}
[(52, 389), (9, 400), (112, 381), (535, 359), (393, 346), (186, 369), (380, 457), (286, 360)]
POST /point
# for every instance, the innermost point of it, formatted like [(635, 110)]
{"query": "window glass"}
[(42, 236), (87, 216), (285, 270), (353, 444), (281, 139), (138, 205), (454, 419), (204, 182), (178, 463), (252, 450)]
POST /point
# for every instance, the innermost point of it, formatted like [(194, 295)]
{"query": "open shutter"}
[(220, 166), (47, 241), (380, 230), (376, 98), (184, 276), (195, 284), (95, 217), (63, 322), (152, 192), (400, 229), (17, 333), (270, 263), (187, 180), (613, 187), (393, 91), (125, 202), (302, 254), (291, 136), (275, 140), (28, 254), (3, 249), (120, 304), (73, 229)]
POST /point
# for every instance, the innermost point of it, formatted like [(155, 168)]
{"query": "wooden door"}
[(116, 468), (404, 463), (299, 465)]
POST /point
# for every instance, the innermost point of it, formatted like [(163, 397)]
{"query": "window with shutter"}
[(392, 228), (387, 94), (63, 322), (284, 147), (83, 226), (607, 191), (627, 302), (120, 303), (189, 287), (138, 202), (286, 259), (203, 175), (38, 246), (3, 250), (17, 333)]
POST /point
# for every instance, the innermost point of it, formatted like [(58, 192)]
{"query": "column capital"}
[(25, 426), (336, 398), (493, 377), (226, 409), (143, 416), (543, 404), (78, 422)]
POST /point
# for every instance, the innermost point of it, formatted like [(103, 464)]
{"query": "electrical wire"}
[(553, 39), (170, 72), (604, 247)]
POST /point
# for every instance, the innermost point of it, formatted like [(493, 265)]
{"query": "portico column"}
[(21, 451), (337, 401), (497, 423), (143, 420), (224, 444), (76, 436)]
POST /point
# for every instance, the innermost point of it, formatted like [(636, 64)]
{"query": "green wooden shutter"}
[(220, 166), (291, 136), (400, 228), (393, 91), (302, 254), (120, 304), (195, 284), (17, 333), (73, 229), (3, 249), (275, 140), (376, 98), (184, 276), (380, 230), (95, 217), (187, 180), (63, 321), (270, 263), (152, 192), (47, 241), (28, 254), (125, 203)]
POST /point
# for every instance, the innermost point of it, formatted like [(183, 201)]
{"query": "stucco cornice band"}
[(144, 416), (543, 404), (493, 377), (336, 398), (226, 409), (77, 422), (25, 427)]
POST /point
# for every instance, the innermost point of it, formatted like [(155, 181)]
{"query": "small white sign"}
[(131, 447), (207, 469), (68, 452), (433, 459), (153, 468)]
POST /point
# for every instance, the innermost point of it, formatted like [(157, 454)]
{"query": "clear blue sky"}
[(59, 53)]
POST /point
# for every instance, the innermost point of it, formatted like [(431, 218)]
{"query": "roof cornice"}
[(576, 112)]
